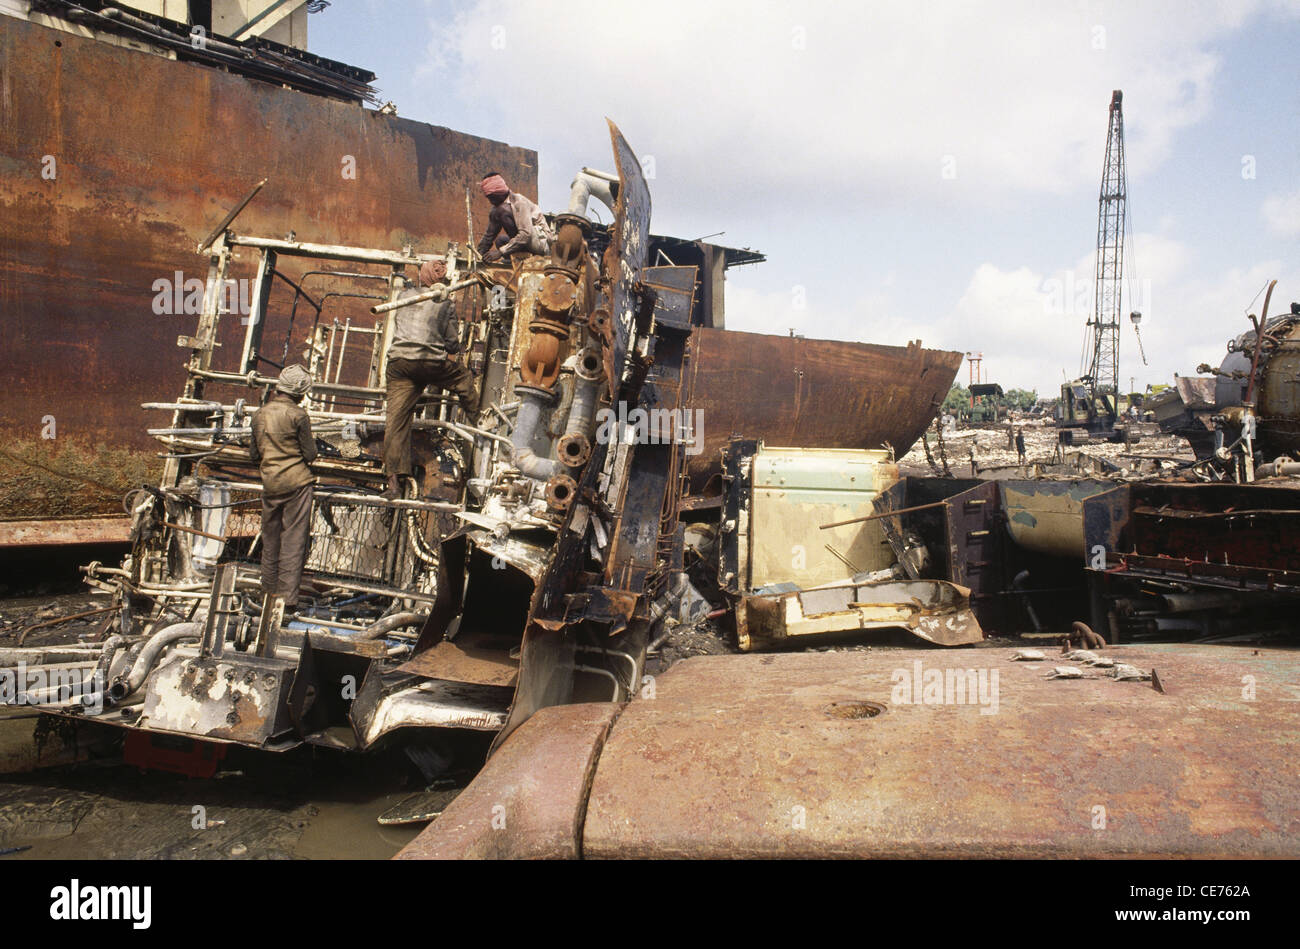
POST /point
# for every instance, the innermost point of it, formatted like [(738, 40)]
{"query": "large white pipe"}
[(587, 185)]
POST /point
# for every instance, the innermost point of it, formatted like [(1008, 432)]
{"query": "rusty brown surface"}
[(752, 756), (69, 476), (811, 393), (456, 663), (528, 801), (140, 179)]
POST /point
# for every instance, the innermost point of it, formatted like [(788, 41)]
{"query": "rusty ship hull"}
[(103, 202), (132, 182), (811, 393)]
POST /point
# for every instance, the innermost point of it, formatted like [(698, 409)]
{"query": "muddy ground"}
[(311, 806), (308, 803)]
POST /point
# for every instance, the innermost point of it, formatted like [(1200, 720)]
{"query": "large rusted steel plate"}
[(528, 801), (136, 184), (742, 756), (811, 393), (456, 663), (631, 235), (90, 530)]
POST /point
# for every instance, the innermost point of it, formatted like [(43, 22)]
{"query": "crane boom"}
[(1103, 373)]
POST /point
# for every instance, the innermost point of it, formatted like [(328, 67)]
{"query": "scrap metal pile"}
[(561, 534), (516, 574)]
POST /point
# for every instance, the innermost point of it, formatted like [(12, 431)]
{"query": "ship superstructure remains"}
[(518, 570)]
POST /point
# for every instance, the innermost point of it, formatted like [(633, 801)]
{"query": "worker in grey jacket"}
[(283, 448), (426, 337)]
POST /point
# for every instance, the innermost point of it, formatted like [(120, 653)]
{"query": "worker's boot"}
[(394, 489)]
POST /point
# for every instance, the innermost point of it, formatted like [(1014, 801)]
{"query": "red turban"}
[(494, 184), (431, 271)]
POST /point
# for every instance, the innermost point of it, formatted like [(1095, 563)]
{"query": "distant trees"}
[(1021, 400), (958, 402)]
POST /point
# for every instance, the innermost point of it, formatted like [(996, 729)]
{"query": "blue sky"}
[(915, 170)]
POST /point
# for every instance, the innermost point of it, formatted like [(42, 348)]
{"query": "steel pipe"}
[(389, 623), (152, 651), (433, 293)]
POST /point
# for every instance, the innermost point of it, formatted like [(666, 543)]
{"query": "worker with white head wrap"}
[(283, 448)]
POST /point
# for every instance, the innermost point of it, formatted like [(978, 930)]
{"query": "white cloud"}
[(742, 101), (751, 132), (1282, 214), (1031, 326), (865, 314)]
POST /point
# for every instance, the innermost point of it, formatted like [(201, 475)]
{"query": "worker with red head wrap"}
[(426, 337), (516, 225)]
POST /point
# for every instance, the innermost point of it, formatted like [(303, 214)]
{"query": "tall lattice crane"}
[(1091, 402), (1102, 375)]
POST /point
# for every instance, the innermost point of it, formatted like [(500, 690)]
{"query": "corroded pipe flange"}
[(574, 450), (590, 364), (560, 492), (559, 293)]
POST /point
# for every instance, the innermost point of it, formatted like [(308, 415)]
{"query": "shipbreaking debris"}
[(511, 576), (803, 552), (539, 550), (1027, 655)]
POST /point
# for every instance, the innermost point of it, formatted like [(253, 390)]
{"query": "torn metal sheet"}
[(457, 663), (934, 610), (439, 704)]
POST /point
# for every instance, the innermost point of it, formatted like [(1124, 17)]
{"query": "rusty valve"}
[(540, 366)]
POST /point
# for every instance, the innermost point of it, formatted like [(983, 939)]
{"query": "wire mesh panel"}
[(350, 539)]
